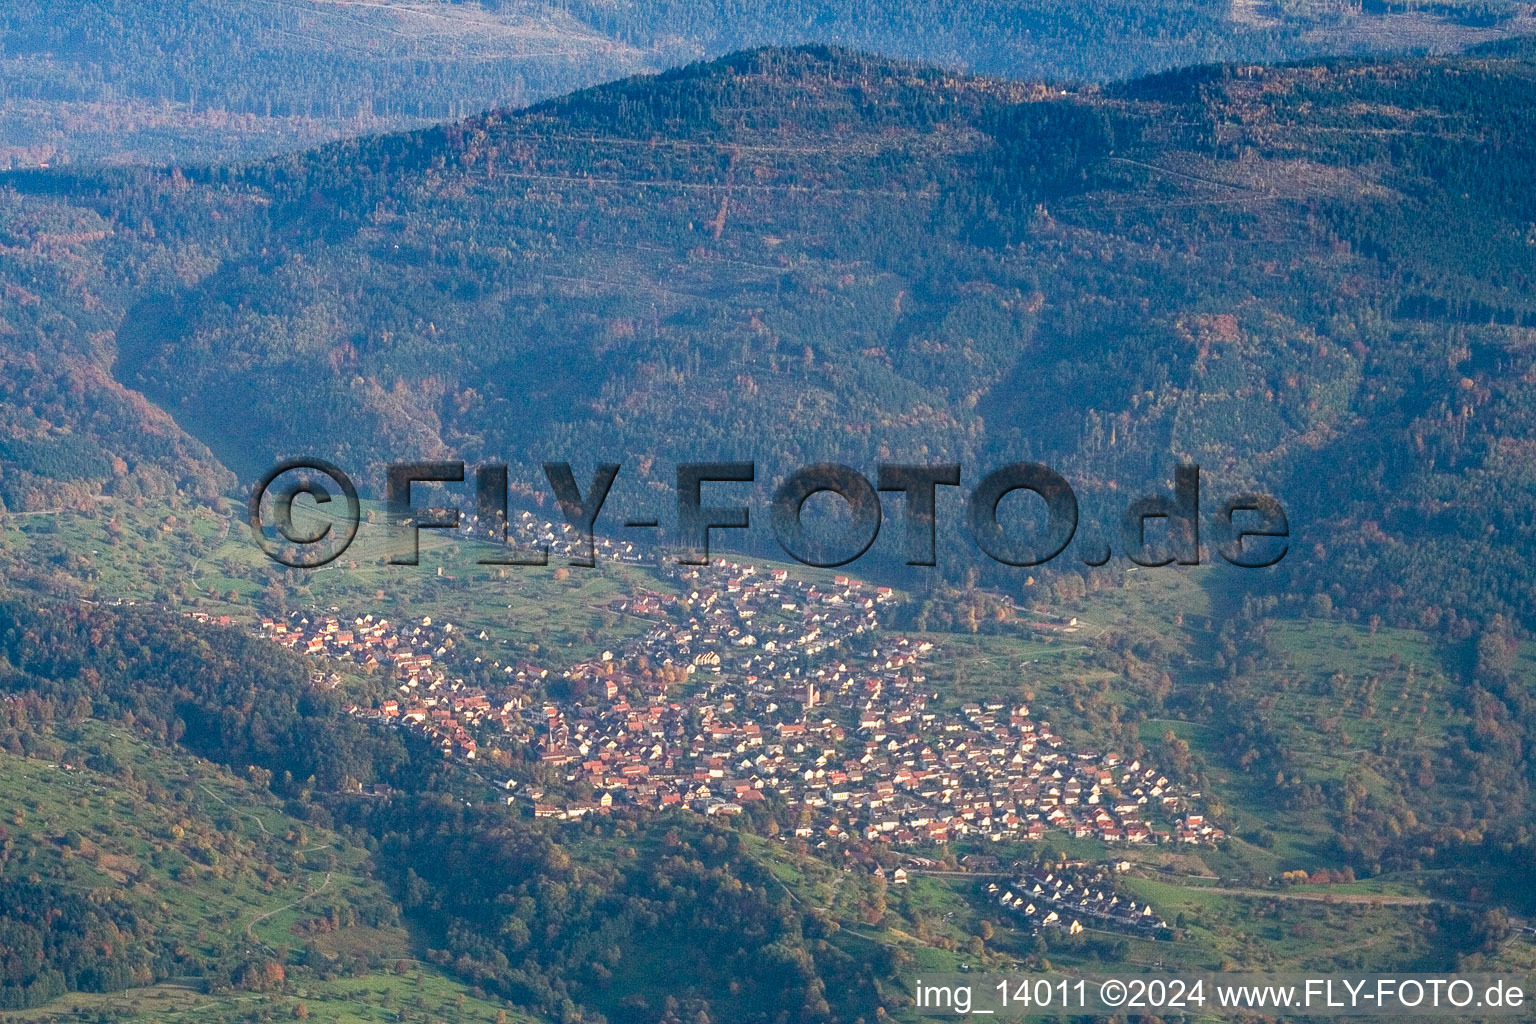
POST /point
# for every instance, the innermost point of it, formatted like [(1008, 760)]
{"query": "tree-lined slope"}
[(1312, 278)]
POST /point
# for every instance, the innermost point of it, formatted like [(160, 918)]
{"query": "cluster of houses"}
[(562, 541), (416, 655), (858, 752), (413, 652), (755, 688), (1043, 898)]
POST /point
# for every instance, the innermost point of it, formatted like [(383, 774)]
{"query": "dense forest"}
[(1097, 40), (545, 919), (1312, 280)]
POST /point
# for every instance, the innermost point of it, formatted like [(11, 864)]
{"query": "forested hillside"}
[(68, 429), (1314, 279), (214, 81), (124, 866)]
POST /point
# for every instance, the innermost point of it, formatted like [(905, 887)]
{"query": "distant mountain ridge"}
[(220, 81)]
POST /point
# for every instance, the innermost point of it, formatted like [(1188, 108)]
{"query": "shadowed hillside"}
[(1313, 279)]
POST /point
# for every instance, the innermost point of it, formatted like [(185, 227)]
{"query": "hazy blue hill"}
[(136, 81), (1095, 40)]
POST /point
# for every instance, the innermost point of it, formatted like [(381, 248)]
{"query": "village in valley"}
[(748, 686)]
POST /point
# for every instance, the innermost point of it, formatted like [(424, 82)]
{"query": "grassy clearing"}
[(197, 558), (1272, 933)]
